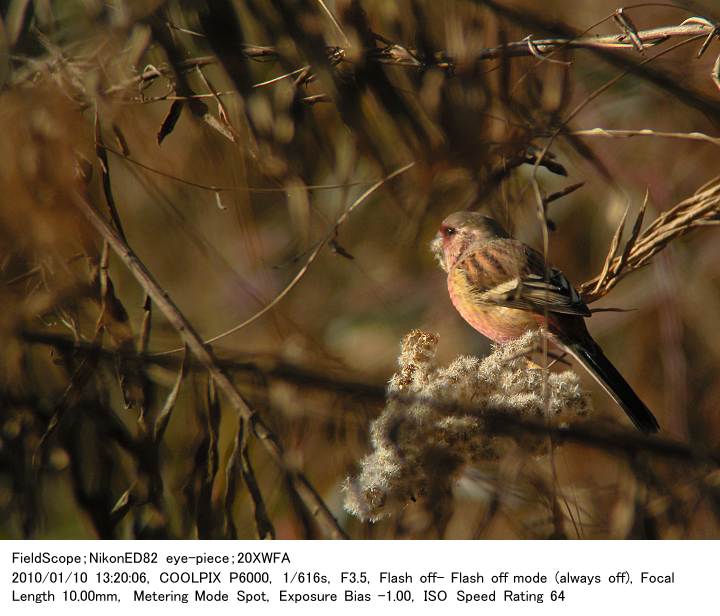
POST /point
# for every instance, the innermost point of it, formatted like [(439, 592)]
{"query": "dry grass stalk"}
[(389, 52), (699, 211), (644, 132)]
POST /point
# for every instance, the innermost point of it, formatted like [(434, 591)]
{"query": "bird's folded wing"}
[(536, 294), (535, 288)]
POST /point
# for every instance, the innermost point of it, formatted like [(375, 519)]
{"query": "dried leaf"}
[(633, 236), (240, 459), (612, 252), (120, 140), (71, 396), (200, 110), (563, 193), (168, 124), (144, 337), (339, 250), (163, 418)]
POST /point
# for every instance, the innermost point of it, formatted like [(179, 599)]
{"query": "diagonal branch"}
[(206, 357)]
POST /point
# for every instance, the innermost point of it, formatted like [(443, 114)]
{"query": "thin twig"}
[(207, 358), (248, 189), (313, 255), (328, 12), (644, 132)]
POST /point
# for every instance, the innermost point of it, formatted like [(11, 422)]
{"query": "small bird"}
[(503, 288)]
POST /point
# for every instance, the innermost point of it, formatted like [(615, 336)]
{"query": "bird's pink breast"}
[(498, 323)]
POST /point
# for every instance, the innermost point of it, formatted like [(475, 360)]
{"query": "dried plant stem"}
[(629, 443), (395, 54), (649, 37), (526, 47), (644, 132), (625, 441), (207, 358), (218, 188), (700, 210), (335, 23)]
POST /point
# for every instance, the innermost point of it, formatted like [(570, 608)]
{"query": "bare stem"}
[(207, 358), (395, 54)]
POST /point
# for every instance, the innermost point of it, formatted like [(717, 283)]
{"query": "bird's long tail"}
[(590, 355)]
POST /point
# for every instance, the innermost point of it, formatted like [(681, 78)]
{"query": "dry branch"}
[(388, 52), (627, 441), (207, 358)]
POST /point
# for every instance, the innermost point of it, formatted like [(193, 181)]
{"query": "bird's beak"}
[(436, 246)]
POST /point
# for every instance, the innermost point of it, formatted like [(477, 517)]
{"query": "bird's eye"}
[(450, 231)]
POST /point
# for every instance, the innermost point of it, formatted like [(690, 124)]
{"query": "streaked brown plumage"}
[(503, 288)]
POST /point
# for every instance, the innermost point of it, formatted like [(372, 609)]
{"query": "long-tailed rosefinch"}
[(503, 288)]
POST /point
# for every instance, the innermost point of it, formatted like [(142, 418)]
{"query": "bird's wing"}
[(509, 273)]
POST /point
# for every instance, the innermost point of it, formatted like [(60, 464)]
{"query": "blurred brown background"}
[(231, 205)]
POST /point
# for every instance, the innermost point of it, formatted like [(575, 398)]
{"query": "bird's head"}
[(460, 231)]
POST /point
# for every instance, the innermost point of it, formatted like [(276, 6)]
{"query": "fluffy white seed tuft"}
[(432, 425)]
